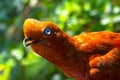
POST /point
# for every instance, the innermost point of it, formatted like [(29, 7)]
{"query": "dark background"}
[(72, 16)]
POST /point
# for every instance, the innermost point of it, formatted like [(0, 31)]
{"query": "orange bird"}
[(88, 56)]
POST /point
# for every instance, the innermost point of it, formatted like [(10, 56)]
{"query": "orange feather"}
[(88, 56)]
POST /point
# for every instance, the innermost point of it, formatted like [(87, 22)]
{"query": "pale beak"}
[(27, 41)]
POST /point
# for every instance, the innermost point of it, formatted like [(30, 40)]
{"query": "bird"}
[(86, 56)]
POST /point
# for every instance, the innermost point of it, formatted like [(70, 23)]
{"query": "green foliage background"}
[(73, 16)]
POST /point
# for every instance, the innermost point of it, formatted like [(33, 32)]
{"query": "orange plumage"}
[(88, 56)]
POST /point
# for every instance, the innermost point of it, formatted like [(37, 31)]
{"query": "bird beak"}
[(27, 41)]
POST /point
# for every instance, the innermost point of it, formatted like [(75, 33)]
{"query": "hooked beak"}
[(27, 41)]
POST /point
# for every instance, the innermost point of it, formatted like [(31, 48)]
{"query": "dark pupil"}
[(48, 31)]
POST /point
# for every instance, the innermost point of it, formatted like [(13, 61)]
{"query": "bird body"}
[(88, 56)]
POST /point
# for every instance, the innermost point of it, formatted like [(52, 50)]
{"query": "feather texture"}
[(88, 56)]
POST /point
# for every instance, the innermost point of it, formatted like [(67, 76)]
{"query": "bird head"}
[(41, 36)]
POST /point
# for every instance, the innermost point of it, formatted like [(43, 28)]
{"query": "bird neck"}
[(68, 56)]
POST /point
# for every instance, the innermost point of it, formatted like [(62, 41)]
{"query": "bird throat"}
[(68, 57)]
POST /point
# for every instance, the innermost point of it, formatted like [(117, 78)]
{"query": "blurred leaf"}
[(4, 72)]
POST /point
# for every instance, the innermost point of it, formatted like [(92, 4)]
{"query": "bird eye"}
[(47, 31)]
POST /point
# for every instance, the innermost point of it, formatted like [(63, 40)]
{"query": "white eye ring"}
[(47, 31)]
